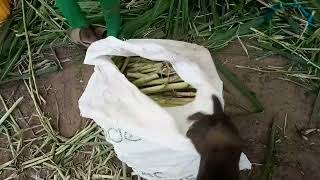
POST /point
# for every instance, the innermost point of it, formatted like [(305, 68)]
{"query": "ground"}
[(297, 158)]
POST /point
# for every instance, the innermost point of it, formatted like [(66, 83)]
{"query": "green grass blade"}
[(256, 105), (268, 167), (11, 62), (185, 14), (176, 24), (130, 28), (215, 18), (170, 18), (4, 31), (222, 38)]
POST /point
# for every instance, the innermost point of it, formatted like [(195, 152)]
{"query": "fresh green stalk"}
[(163, 88), (141, 81)]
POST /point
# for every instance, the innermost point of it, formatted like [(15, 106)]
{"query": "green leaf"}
[(130, 28), (11, 62), (256, 105), (268, 165), (222, 38)]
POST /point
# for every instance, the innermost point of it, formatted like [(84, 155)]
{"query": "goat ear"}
[(197, 116), (216, 105)]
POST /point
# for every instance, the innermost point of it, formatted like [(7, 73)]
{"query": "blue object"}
[(296, 5)]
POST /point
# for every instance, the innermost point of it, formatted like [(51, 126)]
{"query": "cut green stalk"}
[(125, 64), (45, 142), (7, 114), (168, 87), (170, 79), (55, 167), (154, 89), (180, 94), (144, 68), (136, 75), (32, 80), (36, 161), (4, 165), (13, 152), (75, 138), (83, 141), (171, 102), (156, 69), (141, 81), (15, 125)]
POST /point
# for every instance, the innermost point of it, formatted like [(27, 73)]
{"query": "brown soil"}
[(297, 158)]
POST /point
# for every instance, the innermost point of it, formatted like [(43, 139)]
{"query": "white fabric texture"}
[(149, 138)]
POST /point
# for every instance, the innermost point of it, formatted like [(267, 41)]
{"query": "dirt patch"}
[(297, 158), (62, 91)]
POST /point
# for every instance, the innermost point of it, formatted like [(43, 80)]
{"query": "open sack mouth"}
[(125, 91), (158, 80)]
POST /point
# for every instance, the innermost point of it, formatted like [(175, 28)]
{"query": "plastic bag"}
[(149, 138)]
